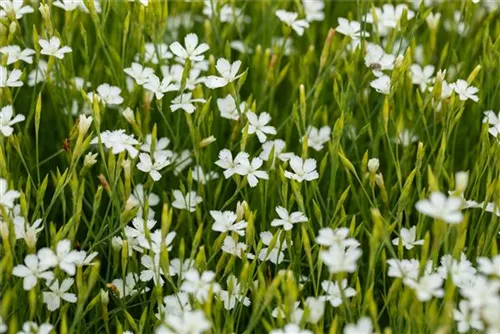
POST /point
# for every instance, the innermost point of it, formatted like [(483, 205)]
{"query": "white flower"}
[(489, 266), (15, 7), (275, 254), (64, 256), (10, 79), (278, 146), (160, 147), (231, 14), (363, 326), (153, 270), (30, 327), (433, 20), (226, 161), (52, 47), (334, 295), (37, 75), (227, 71), (146, 165), (461, 272), (290, 19), (482, 292), (231, 246), (406, 137), (185, 102), (258, 125), (118, 141), (467, 317), (316, 138), (186, 202), (421, 76), (464, 91), (3, 326), (234, 293), (53, 298), (201, 177), (228, 109), (407, 237), (339, 259), (199, 285), (329, 237), (69, 5), (226, 222), (126, 287), (426, 287), (109, 94), (139, 73), (7, 197), (154, 85), (438, 206), (388, 17), (303, 170), (187, 322), (314, 10), (494, 121), (176, 267), (377, 60), (382, 84), (155, 53), (316, 307), (287, 220), (24, 230), (14, 54), (155, 242), (33, 270), (192, 51), (138, 198), (6, 120), (403, 268), (251, 170), (350, 28), (291, 329)]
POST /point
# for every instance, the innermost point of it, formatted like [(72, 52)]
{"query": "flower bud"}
[(207, 141), (373, 165), (433, 20), (129, 115), (84, 124), (104, 297), (90, 160), (240, 210), (461, 180), (399, 60)]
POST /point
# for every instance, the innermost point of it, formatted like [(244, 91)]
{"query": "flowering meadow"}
[(295, 167)]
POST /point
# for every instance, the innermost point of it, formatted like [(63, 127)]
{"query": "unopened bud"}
[(373, 165), (207, 141), (84, 124), (90, 160), (461, 181), (129, 115), (399, 60)]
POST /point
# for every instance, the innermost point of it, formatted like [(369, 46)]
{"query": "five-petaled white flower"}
[(118, 141), (185, 102), (363, 326), (329, 237), (335, 294), (192, 50), (350, 28), (6, 120), (291, 328), (109, 94), (426, 287), (339, 259), (287, 220), (139, 73), (464, 91), (275, 254), (199, 285), (52, 47), (316, 138), (228, 72), (34, 269), (251, 170), (147, 165), (228, 109), (231, 246), (7, 197), (159, 88), (225, 221), (229, 164), (58, 292), (439, 206), (14, 53), (10, 79), (186, 202), (303, 170), (382, 84), (421, 76), (407, 237), (467, 317), (290, 19), (14, 7), (377, 60), (258, 125)]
